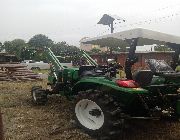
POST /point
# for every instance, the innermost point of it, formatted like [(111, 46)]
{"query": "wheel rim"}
[(89, 114), (34, 95)]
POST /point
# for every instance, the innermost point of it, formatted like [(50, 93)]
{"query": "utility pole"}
[(112, 28)]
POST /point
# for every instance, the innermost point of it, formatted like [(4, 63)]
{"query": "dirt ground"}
[(24, 121)]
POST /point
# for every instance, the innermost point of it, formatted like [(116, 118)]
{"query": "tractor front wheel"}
[(99, 115), (39, 96)]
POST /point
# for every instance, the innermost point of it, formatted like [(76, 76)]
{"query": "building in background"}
[(89, 47), (142, 56)]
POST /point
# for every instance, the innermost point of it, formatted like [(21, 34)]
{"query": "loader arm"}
[(89, 59), (58, 66), (54, 61)]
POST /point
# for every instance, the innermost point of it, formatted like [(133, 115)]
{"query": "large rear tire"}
[(39, 96), (99, 115)]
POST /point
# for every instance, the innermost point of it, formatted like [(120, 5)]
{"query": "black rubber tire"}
[(39, 96), (113, 126)]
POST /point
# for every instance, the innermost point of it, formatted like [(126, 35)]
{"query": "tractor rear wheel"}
[(39, 96), (99, 115)]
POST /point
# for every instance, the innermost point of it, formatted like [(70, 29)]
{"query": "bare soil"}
[(25, 121)]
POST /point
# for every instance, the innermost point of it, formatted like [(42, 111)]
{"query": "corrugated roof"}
[(146, 37)]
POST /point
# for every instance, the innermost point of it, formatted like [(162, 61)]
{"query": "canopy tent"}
[(136, 37), (145, 37)]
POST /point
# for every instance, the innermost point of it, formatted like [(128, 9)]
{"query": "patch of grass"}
[(41, 71)]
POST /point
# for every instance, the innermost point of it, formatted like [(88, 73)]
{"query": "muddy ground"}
[(24, 121)]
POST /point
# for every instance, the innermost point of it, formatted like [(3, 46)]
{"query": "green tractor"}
[(103, 104)]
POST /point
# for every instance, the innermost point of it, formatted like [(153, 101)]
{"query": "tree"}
[(162, 48), (95, 50), (15, 47), (8, 46), (39, 41), (114, 44), (62, 48), (1, 46), (36, 44), (65, 51), (18, 45)]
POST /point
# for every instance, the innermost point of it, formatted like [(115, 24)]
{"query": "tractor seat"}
[(143, 77)]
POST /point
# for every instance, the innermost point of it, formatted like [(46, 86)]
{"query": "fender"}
[(122, 94), (90, 82)]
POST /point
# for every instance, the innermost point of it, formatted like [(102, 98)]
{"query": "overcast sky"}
[(71, 20)]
